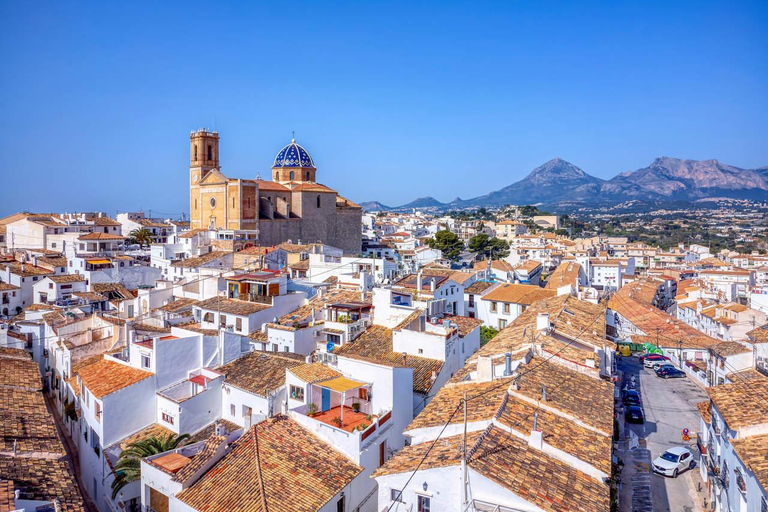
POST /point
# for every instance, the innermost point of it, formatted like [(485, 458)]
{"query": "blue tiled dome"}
[(293, 155)]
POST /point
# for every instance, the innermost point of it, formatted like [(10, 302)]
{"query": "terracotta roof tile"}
[(106, 377), (260, 372), (232, 306), (525, 294), (753, 452), (43, 480), (742, 404), (199, 261), (504, 458), (276, 465), (375, 345), (314, 372)]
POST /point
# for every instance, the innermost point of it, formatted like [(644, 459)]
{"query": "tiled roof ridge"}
[(471, 452), (204, 455), (262, 489)]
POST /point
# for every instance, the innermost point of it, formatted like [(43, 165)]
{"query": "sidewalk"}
[(72, 456)]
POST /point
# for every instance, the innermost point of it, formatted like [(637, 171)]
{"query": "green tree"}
[(141, 236), (479, 243), (447, 242), (487, 333), (489, 247), (128, 467), (499, 248)]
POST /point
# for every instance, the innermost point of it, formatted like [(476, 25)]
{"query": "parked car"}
[(649, 361), (631, 397), (673, 461), (665, 366), (634, 414), (661, 362), (670, 373)]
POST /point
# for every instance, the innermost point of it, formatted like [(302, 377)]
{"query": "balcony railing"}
[(252, 297)]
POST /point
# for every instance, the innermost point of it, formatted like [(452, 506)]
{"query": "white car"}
[(673, 461)]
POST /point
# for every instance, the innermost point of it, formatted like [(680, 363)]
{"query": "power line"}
[(504, 384)]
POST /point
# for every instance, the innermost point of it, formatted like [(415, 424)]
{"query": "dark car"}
[(670, 373), (631, 397), (634, 414), (664, 367)]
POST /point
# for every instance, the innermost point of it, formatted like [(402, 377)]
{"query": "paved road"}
[(669, 406)]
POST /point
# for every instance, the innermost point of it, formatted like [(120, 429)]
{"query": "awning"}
[(99, 262), (341, 384)]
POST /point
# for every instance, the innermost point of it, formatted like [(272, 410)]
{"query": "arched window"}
[(195, 204), (292, 176), (210, 152), (233, 202), (195, 152), (318, 200), (308, 176)]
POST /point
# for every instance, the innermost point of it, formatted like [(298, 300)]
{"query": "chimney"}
[(405, 358), (536, 440), (34, 260), (484, 369), (216, 428), (542, 321), (543, 393), (432, 285), (507, 364), (419, 281)]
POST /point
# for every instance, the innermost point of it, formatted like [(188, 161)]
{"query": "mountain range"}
[(665, 179)]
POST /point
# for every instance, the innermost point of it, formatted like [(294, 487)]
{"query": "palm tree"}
[(128, 467), (141, 236)]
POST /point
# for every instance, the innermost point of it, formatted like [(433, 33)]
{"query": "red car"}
[(650, 356)]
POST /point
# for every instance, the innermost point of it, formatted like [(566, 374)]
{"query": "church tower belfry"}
[(203, 151), (203, 158)]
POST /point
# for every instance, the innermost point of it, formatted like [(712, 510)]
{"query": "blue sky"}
[(393, 100)]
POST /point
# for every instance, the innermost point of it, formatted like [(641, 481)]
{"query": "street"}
[(669, 407)]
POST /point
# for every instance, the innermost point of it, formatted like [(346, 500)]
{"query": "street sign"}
[(686, 435), (329, 346)]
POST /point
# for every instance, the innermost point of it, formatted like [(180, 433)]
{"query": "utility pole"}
[(464, 479)]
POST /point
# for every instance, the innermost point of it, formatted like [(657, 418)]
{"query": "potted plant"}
[(369, 417), (337, 421), (312, 408), (356, 406)]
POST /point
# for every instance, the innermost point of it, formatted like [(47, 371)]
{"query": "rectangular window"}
[(168, 418), (423, 504), (297, 393), (223, 320), (232, 410), (396, 495), (494, 307), (239, 324), (502, 323), (97, 410), (146, 361), (208, 317), (506, 308), (340, 506), (362, 393)]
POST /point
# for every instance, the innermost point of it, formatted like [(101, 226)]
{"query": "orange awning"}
[(99, 262), (341, 384)]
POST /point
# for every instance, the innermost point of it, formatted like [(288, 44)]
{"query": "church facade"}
[(291, 206)]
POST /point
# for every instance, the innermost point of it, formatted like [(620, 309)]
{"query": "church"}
[(292, 206)]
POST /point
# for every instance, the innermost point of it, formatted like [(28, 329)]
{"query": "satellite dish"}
[(329, 346)]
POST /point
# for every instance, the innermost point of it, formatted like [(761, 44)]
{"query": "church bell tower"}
[(203, 157)]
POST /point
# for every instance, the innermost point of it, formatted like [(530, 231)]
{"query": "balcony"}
[(253, 297)]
